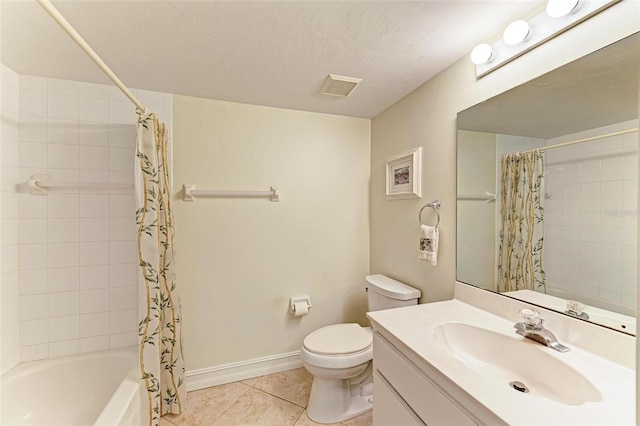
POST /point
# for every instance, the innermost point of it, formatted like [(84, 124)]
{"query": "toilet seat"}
[(338, 339), (338, 346)]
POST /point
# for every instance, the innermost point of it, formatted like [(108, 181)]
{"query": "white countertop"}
[(414, 327)]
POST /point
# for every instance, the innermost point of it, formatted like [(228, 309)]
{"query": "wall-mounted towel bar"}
[(190, 193), (40, 185), (487, 197), (434, 205)]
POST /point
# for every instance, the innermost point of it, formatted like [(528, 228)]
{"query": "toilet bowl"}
[(339, 357)]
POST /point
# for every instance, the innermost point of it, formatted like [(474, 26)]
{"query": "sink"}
[(525, 366)]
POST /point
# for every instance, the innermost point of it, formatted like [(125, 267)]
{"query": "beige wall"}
[(427, 118), (240, 260)]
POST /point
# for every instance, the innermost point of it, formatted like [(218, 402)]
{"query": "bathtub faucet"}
[(532, 328)]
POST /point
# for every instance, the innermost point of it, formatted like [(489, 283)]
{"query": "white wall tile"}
[(123, 275), (94, 277), (63, 106), (123, 321), (92, 90), (94, 110), (34, 332), (94, 206), (62, 230), (121, 159), (122, 229), (92, 301), (9, 205), (33, 231), (33, 307), (10, 312), (123, 298), (34, 352), (122, 205), (63, 132), (10, 261), (64, 279), (33, 154), (94, 229), (94, 158), (122, 135), (63, 205), (10, 232), (10, 286), (122, 340), (94, 253), (123, 252), (122, 112), (64, 304), (95, 324), (65, 348), (32, 256), (33, 281), (33, 129), (33, 104), (63, 255), (92, 344), (63, 156), (64, 328), (93, 134), (64, 87)]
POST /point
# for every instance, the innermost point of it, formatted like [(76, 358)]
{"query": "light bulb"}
[(482, 54), (560, 8), (517, 32)]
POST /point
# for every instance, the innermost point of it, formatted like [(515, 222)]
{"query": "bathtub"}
[(98, 388)]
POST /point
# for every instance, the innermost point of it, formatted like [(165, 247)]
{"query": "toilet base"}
[(336, 400)]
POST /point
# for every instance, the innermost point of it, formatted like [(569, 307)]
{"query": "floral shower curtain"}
[(522, 216), (159, 311)]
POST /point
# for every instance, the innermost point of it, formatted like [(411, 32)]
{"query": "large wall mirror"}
[(547, 208)]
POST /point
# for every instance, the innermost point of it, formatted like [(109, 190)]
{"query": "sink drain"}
[(519, 386)]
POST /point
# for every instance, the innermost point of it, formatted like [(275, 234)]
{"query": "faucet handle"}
[(530, 317)]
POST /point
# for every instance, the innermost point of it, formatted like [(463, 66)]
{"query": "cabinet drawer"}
[(428, 402), (388, 408)]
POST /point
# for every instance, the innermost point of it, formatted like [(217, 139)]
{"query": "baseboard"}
[(227, 373)]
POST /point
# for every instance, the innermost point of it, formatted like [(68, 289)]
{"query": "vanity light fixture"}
[(560, 8), (482, 54), (517, 32), (520, 37)]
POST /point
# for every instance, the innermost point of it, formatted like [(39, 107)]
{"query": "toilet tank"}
[(386, 293)]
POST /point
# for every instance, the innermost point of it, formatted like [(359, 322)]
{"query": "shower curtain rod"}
[(559, 145), (66, 26)]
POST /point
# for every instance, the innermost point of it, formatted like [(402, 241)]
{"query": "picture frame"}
[(404, 175)]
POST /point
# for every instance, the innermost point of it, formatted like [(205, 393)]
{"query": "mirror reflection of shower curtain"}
[(521, 235), (159, 311)]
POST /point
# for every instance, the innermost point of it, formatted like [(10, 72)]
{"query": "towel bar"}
[(434, 205)]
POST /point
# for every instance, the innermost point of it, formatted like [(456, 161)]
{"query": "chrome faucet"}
[(532, 328)]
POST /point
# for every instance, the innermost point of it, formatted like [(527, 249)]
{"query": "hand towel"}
[(428, 244)]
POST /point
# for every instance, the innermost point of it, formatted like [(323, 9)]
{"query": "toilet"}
[(339, 357)]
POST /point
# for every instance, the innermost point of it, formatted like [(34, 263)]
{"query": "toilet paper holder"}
[(299, 301)]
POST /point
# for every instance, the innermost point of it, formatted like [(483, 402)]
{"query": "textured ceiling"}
[(257, 52)]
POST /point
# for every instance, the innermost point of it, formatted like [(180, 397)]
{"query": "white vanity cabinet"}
[(404, 394)]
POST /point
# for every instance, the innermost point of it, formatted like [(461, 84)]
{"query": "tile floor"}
[(278, 399)]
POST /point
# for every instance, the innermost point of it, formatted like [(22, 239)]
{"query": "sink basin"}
[(524, 365)]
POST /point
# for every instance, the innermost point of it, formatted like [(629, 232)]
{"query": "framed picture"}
[(404, 175)]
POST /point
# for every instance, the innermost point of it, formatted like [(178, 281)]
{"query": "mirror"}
[(584, 228)]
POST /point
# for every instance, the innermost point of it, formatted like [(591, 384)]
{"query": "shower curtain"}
[(522, 216), (159, 312)]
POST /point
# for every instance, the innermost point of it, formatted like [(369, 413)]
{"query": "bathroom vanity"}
[(460, 362)]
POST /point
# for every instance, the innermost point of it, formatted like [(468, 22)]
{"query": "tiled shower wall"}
[(9, 274), (77, 251), (591, 213)]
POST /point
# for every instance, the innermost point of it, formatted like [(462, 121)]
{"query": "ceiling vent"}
[(337, 85)]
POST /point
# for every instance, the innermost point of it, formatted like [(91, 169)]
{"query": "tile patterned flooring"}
[(278, 399)]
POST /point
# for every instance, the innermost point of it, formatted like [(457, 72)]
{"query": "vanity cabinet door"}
[(429, 402), (389, 409)]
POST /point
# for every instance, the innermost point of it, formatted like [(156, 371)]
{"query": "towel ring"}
[(434, 205)]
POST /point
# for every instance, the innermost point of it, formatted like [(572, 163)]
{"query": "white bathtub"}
[(98, 388)]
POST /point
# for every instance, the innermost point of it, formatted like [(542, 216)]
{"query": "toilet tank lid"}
[(391, 288)]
